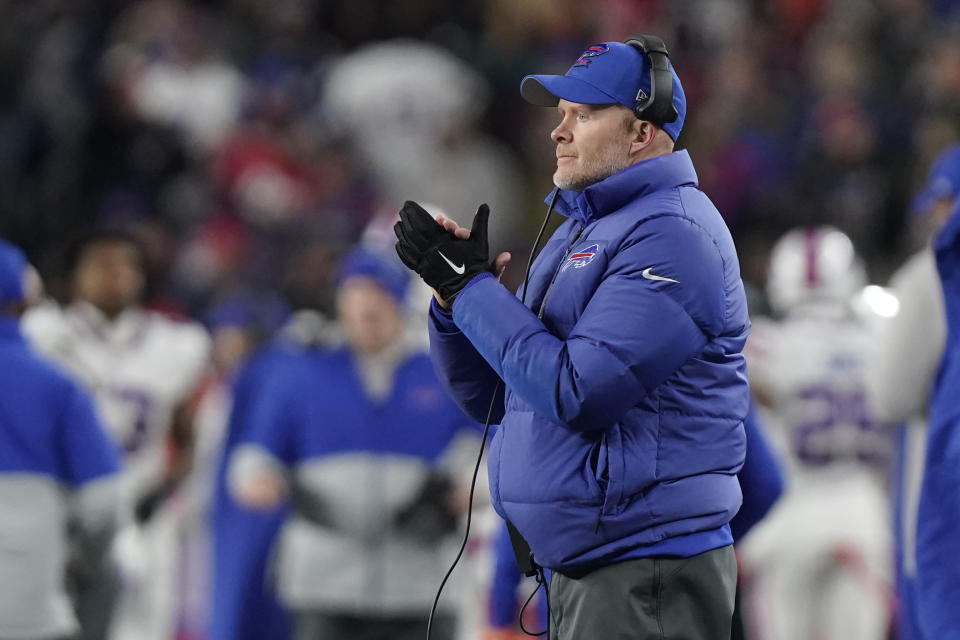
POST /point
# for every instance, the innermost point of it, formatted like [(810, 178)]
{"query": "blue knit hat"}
[(384, 268), (13, 267), (606, 73)]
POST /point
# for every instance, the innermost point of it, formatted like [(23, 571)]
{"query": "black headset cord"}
[(541, 582), (483, 443)]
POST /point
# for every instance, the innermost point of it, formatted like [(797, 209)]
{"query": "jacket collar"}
[(637, 180), (10, 329)]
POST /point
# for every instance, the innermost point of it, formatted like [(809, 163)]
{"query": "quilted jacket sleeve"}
[(633, 333), (467, 377)]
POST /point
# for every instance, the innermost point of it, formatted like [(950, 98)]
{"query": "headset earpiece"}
[(658, 107)]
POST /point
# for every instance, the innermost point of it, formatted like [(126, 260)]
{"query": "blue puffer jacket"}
[(621, 423)]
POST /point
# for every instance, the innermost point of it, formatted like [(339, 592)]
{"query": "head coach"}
[(616, 372)]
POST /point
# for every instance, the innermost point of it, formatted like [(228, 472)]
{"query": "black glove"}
[(428, 517), (445, 262)]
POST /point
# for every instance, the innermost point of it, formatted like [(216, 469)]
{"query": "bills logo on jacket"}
[(581, 258)]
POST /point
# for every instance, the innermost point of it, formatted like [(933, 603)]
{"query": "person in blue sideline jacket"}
[(243, 606), (937, 584), (902, 376), (616, 374), (363, 440), (58, 474)]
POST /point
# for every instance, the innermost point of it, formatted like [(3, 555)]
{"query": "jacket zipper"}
[(566, 254), (543, 305)]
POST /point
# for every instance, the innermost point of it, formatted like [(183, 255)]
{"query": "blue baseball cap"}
[(13, 273), (606, 73), (943, 181), (383, 268)]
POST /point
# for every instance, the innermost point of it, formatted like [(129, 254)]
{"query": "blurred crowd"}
[(249, 141), (228, 154)]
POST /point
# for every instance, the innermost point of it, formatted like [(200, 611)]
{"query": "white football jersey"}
[(139, 368), (818, 566), (809, 372)]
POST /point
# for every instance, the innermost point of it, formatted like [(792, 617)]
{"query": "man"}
[(50, 441), (141, 368), (617, 378), (902, 375), (819, 566), (363, 439)]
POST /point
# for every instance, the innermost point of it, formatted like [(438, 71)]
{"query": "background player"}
[(817, 567), (141, 368)]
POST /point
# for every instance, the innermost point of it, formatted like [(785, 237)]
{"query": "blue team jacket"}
[(243, 606), (356, 464), (938, 522), (622, 417), (48, 425), (50, 440)]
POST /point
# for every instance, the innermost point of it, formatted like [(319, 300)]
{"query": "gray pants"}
[(95, 605), (314, 625), (647, 599)]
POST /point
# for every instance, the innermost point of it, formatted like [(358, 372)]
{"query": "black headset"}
[(658, 106)]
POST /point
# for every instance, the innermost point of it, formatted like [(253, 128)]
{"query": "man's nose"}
[(561, 133)]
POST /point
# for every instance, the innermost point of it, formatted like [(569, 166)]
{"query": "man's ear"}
[(644, 133)]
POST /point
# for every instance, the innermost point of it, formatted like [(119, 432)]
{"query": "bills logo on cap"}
[(592, 52), (581, 258)]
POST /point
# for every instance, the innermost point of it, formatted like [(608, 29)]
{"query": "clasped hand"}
[(444, 259)]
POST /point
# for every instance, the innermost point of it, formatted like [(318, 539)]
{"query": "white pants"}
[(818, 567), (147, 558)]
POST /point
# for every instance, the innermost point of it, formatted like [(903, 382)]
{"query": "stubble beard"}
[(607, 163)]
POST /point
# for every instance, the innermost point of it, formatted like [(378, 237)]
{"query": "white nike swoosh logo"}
[(649, 276), (458, 270)]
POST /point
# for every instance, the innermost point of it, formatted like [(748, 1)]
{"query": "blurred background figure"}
[(58, 475), (515, 602), (761, 481), (938, 583), (141, 367), (238, 325), (174, 74), (427, 141), (902, 373), (818, 566), (364, 441), (243, 600)]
